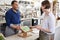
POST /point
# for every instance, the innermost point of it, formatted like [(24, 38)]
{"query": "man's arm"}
[(15, 26), (8, 18), (8, 21)]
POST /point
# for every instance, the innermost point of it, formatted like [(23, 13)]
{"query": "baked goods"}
[(25, 32), (24, 35), (25, 28)]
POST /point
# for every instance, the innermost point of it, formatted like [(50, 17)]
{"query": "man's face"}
[(15, 5)]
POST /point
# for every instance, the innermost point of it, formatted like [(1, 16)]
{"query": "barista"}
[(12, 17)]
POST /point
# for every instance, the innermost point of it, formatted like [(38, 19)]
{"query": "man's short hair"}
[(46, 3), (13, 2)]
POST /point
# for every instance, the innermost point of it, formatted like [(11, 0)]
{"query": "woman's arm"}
[(42, 29)]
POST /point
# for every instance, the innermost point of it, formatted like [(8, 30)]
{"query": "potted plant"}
[(2, 37)]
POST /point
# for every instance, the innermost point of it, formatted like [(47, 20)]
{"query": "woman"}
[(47, 30)]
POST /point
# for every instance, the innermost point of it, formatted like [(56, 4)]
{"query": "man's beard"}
[(15, 9)]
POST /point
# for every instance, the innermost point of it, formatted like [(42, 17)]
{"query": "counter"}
[(15, 37)]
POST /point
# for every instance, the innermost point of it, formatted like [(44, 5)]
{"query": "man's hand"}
[(15, 26), (18, 27)]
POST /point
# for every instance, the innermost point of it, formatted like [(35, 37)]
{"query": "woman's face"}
[(43, 8)]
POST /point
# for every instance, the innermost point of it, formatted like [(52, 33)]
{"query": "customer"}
[(47, 28), (12, 17)]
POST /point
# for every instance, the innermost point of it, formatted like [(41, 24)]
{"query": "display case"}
[(28, 9), (3, 10)]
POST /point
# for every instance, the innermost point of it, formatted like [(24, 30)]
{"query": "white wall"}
[(59, 3)]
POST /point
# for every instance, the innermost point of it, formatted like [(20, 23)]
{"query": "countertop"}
[(15, 37)]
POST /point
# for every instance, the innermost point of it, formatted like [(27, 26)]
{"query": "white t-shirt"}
[(48, 22)]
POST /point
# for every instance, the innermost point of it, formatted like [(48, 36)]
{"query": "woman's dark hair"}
[(13, 2), (41, 11), (46, 3)]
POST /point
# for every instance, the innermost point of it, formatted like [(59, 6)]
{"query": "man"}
[(48, 23), (12, 17)]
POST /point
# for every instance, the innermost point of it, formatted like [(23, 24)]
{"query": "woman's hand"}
[(39, 27)]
